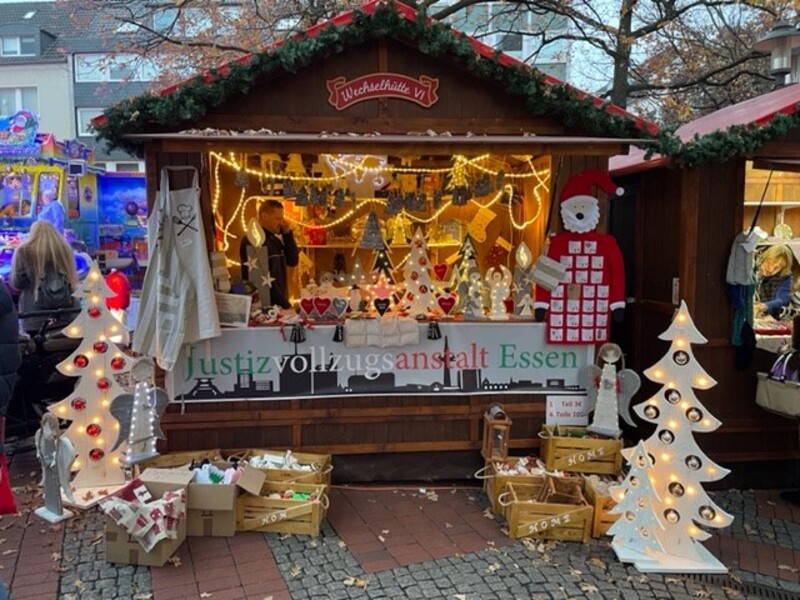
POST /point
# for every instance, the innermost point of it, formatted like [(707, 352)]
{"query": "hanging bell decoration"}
[(241, 179), (298, 335), (338, 333), (434, 333)]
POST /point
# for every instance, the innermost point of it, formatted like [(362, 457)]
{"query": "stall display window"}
[(49, 184), (16, 194), (73, 198)]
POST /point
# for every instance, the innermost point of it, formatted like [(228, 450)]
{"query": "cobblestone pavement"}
[(66, 562)]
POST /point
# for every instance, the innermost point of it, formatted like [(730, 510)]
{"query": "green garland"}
[(720, 146), (152, 113)]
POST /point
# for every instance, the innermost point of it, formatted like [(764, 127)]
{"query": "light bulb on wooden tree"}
[(678, 465), (418, 297), (96, 362)]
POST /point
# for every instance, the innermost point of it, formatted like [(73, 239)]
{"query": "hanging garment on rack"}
[(178, 305)]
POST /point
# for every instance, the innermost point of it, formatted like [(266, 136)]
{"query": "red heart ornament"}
[(446, 303), (307, 306), (322, 305), (440, 271)]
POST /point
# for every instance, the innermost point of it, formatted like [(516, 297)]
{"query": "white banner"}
[(473, 358)]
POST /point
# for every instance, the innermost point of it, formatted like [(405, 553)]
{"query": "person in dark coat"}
[(9, 349)]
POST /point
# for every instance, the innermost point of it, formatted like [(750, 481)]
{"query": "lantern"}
[(496, 431)]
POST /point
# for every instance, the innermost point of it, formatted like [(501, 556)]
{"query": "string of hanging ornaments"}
[(465, 180)]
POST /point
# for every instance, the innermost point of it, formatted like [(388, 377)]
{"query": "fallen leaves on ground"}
[(78, 584), (296, 570), (342, 544), (732, 593), (789, 568), (98, 538), (381, 538), (488, 514), (359, 582), (206, 594), (313, 544), (589, 588), (460, 597), (143, 596), (494, 567), (56, 556), (575, 572), (596, 562), (175, 561), (447, 525), (702, 594), (672, 580), (7, 552), (285, 536)]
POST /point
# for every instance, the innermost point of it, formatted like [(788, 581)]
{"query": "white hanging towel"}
[(178, 305)]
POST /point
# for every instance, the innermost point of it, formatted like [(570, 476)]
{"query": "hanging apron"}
[(178, 305)]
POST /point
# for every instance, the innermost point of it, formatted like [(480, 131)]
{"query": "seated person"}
[(774, 288)]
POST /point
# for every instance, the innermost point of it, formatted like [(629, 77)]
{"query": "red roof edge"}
[(411, 14)]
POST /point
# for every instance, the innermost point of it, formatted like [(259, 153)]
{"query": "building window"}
[(129, 167), (511, 42), (95, 68), (15, 99), (123, 167), (14, 45), (186, 22), (85, 115)]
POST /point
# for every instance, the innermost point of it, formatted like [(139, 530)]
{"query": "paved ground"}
[(380, 543)]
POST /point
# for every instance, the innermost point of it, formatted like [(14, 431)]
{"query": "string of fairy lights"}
[(361, 166)]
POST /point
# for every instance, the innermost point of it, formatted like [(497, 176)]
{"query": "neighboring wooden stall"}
[(685, 223), (481, 107)]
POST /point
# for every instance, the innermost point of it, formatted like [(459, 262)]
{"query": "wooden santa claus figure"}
[(579, 309)]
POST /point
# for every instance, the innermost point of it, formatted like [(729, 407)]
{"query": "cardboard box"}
[(212, 507), (121, 547)]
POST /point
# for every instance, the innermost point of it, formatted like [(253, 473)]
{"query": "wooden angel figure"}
[(609, 391), (139, 414), (525, 306), (56, 454), (498, 280)]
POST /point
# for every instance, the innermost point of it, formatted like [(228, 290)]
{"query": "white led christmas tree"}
[(418, 297), (678, 464), (635, 531), (96, 362)]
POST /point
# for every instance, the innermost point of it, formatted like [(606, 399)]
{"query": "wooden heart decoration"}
[(381, 305), (322, 305), (339, 307), (440, 271), (446, 303), (307, 306)]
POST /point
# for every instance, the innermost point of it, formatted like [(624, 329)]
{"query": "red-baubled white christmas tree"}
[(96, 362)]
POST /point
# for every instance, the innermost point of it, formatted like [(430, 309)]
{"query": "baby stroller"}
[(39, 383)]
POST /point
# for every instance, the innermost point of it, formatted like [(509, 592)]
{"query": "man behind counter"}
[(281, 250)]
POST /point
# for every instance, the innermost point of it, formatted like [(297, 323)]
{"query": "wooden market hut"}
[(681, 217), (277, 102)]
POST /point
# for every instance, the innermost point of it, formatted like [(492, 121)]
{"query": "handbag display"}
[(779, 391)]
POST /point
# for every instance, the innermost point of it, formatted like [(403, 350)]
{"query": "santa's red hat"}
[(583, 183)]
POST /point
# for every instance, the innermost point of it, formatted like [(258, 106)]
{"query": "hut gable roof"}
[(175, 108), (756, 112)]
